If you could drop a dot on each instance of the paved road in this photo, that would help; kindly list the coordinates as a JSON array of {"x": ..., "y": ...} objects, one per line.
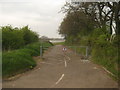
[{"x": 63, "y": 70}]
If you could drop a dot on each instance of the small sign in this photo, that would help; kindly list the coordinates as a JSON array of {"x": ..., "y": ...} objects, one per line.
[{"x": 64, "y": 49}]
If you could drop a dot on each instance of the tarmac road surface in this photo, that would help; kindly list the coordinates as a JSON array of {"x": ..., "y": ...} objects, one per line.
[{"x": 63, "y": 70}]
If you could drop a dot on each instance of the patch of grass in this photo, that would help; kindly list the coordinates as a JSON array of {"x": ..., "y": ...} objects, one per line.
[
  {"x": 59, "y": 43},
  {"x": 107, "y": 57},
  {"x": 17, "y": 61},
  {"x": 79, "y": 50},
  {"x": 47, "y": 44}
]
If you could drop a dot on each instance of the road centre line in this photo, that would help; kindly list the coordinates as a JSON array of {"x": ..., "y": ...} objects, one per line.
[
  {"x": 67, "y": 57},
  {"x": 65, "y": 60},
  {"x": 65, "y": 63},
  {"x": 60, "y": 79}
]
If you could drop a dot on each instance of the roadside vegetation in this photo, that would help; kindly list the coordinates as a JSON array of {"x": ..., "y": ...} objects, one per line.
[
  {"x": 19, "y": 47},
  {"x": 15, "y": 38},
  {"x": 59, "y": 43},
  {"x": 89, "y": 24}
]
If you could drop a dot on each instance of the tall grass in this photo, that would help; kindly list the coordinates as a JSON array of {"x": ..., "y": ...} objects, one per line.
[
  {"x": 108, "y": 57},
  {"x": 17, "y": 61},
  {"x": 59, "y": 43}
]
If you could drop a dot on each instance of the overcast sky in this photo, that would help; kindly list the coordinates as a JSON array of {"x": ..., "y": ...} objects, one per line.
[{"x": 41, "y": 15}]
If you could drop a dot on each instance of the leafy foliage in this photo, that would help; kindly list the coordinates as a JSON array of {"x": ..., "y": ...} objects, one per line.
[
  {"x": 15, "y": 38},
  {"x": 90, "y": 25},
  {"x": 20, "y": 60}
]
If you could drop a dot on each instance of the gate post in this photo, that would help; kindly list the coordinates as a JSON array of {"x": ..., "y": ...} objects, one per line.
[
  {"x": 40, "y": 51},
  {"x": 87, "y": 52},
  {"x": 75, "y": 50}
]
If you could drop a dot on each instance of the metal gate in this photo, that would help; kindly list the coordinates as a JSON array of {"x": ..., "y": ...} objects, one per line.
[
  {"x": 42, "y": 49},
  {"x": 80, "y": 50}
]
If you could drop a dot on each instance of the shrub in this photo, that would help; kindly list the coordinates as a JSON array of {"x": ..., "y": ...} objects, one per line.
[
  {"x": 15, "y": 38},
  {"x": 106, "y": 56},
  {"x": 17, "y": 61}
]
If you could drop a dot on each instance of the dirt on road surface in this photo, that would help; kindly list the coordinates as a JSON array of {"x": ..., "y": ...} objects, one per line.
[{"x": 63, "y": 70}]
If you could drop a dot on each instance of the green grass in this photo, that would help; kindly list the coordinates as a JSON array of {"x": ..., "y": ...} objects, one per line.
[
  {"x": 107, "y": 57},
  {"x": 79, "y": 50},
  {"x": 59, "y": 43},
  {"x": 17, "y": 61}
]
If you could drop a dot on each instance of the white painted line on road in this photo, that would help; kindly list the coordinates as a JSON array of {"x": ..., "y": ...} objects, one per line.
[
  {"x": 95, "y": 68},
  {"x": 60, "y": 79},
  {"x": 13, "y": 85},
  {"x": 65, "y": 63},
  {"x": 68, "y": 58},
  {"x": 108, "y": 71}
]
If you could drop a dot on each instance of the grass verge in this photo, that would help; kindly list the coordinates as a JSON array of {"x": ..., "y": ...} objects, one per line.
[
  {"x": 59, "y": 43},
  {"x": 17, "y": 61},
  {"x": 108, "y": 58}
]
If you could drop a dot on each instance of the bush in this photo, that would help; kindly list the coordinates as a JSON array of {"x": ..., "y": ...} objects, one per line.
[
  {"x": 17, "y": 61},
  {"x": 106, "y": 56},
  {"x": 33, "y": 49},
  {"x": 15, "y": 38},
  {"x": 11, "y": 38},
  {"x": 29, "y": 36}
]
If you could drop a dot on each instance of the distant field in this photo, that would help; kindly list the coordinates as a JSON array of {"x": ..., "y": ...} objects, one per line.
[{"x": 59, "y": 43}]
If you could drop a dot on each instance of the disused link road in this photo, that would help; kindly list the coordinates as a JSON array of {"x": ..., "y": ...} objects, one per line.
[{"x": 63, "y": 70}]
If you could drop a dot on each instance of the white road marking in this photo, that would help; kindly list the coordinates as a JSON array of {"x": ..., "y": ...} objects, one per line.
[
  {"x": 95, "y": 68},
  {"x": 65, "y": 63},
  {"x": 13, "y": 85},
  {"x": 68, "y": 58},
  {"x": 108, "y": 71},
  {"x": 60, "y": 79}
]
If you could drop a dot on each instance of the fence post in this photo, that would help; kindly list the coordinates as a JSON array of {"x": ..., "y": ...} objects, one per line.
[
  {"x": 75, "y": 50},
  {"x": 87, "y": 52},
  {"x": 40, "y": 51}
]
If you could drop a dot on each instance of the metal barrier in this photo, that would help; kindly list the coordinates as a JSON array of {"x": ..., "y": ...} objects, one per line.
[
  {"x": 76, "y": 47},
  {"x": 42, "y": 49}
]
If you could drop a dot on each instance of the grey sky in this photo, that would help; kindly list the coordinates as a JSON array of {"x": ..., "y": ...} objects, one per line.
[{"x": 41, "y": 15}]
